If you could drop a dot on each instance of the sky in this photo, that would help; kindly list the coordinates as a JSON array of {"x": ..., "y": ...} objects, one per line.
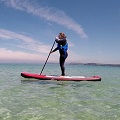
[{"x": 28, "y": 29}]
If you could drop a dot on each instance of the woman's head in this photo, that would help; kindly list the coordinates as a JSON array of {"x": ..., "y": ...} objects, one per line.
[{"x": 61, "y": 35}]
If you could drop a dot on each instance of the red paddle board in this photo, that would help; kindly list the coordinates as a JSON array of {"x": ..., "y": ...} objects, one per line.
[{"x": 60, "y": 78}]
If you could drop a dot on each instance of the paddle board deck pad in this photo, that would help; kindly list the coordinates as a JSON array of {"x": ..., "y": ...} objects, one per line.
[{"x": 60, "y": 78}]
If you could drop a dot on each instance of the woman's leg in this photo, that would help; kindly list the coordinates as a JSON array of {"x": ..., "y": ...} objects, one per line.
[{"x": 62, "y": 61}]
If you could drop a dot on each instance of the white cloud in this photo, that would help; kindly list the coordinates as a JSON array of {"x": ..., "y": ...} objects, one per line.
[
  {"x": 19, "y": 56},
  {"x": 47, "y": 13},
  {"x": 26, "y": 42},
  {"x": 39, "y": 54},
  {"x": 6, "y": 34}
]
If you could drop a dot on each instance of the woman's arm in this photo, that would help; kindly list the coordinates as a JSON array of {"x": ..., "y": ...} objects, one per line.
[{"x": 60, "y": 41}]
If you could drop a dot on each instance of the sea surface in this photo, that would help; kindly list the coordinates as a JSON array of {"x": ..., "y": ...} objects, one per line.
[{"x": 25, "y": 99}]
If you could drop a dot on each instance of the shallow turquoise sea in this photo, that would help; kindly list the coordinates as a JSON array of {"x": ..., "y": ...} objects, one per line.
[{"x": 22, "y": 99}]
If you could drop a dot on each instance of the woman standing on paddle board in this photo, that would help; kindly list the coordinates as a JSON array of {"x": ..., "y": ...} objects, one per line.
[{"x": 62, "y": 46}]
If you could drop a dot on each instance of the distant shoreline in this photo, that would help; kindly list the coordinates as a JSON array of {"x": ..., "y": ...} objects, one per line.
[
  {"x": 90, "y": 64},
  {"x": 96, "y": 64}
]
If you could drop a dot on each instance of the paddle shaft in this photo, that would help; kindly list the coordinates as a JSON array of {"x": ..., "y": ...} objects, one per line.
[{"x": 47, "y": 58}]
